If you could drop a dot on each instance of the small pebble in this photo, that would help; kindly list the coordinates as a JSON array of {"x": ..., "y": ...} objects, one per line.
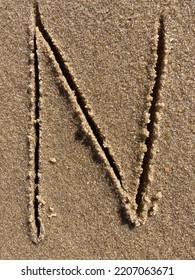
[
  {"x": 167, "y": 170},
  {"x": 52, "y": 160}
]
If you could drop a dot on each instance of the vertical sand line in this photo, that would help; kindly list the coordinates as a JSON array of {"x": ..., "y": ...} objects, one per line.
[
  {"x": 152, "y": 126},
  {"x": 37, "y": 140},
  {"x": 35, "y": 203}
]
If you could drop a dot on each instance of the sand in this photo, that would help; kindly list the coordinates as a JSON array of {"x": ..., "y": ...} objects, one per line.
[{"x": 97, "y": 130}]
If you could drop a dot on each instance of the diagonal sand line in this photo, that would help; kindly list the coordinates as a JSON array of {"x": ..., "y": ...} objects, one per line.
[
  {"x": 81, "y": 100},
  {"x": 85, "y": 115}
]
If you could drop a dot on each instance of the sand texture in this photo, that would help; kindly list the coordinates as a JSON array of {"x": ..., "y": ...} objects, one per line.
[{"x": 97, "y": 117}]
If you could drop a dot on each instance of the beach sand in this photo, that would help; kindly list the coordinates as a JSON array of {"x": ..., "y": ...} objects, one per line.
[{"x": 97, "y": 130}]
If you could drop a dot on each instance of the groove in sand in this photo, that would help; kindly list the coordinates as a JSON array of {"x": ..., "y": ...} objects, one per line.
[
  {"x": 132, "y": 206},
  {"x": 159, "y": 69},
  {"x": 79, "y": 96}
]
